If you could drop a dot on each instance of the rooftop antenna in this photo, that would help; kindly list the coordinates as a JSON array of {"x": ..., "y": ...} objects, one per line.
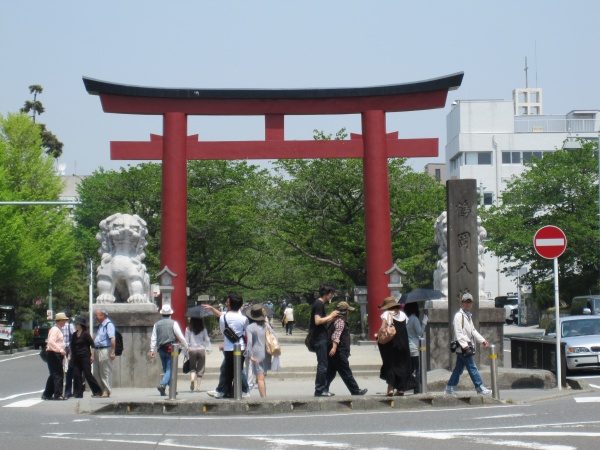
[
  {"x": 536, "y": 83},
  {"x": 526, "y": 81}
]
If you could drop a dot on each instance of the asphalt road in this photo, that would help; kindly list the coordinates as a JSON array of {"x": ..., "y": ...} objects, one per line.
[{"x": 26, "y": 422}]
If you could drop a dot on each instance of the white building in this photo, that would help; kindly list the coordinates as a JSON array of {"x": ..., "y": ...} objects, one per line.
[{"x": 489, "y": 140}]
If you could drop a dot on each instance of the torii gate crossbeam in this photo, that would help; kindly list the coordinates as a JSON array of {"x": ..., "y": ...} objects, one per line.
[{"x": 375, "y": 146}]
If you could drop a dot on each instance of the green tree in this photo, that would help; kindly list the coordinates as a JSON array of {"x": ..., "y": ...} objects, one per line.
[
  {"x": 37, "y": 245},
  {"x": 560, "y": 189},
  {"x": 50, "y": 142},
  {"x": 320, "y": 215}
]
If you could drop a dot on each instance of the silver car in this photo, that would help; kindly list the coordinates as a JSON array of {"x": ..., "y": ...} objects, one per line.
[{"x": 581, "y": 335}]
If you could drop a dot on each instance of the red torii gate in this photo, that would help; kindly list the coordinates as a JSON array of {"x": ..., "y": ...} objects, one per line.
[{"x": 175, "y": 147}]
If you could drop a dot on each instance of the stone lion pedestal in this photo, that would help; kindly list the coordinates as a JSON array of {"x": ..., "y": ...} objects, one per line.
[{"x": 134, "y": 368}]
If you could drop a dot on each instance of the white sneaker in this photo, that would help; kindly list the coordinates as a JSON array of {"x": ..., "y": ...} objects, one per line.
[
  {"x": 245, "y": 394},
  {"x": 449, "y": 390},
  {"x": 215, "y": 394},
  {"x": 483, "y": 390}
]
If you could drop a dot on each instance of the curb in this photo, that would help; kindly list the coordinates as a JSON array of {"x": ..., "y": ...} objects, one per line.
[{"x": 266, "y": 406}]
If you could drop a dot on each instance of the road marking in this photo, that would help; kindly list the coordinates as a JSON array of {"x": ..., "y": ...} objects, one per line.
[
  {"x": 24, "y": 403},
  {"x": 505, "y": 416},
  {"x": 595, "y": 386},
  {"x": 18, "y": 357},
  {"x": 10, "y": 397},
  {"x": 126, "y": 441},
  {"x": 587, "y": 400}
]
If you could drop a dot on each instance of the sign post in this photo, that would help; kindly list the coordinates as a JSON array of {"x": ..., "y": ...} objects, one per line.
[{"x": 550, "y": 242}]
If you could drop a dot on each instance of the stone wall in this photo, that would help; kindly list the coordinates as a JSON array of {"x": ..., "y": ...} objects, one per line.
[
  {"x": 491, "y": 327},
  {"x": 134, "y": 368}
]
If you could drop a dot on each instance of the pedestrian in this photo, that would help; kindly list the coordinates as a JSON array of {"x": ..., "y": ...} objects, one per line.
[
  {"x": 199, "y": 346},
  {"x": 282, "y": 312},
  {"x": 82, "y": 357},
  {"x": 237, "y": 323},
  {"x": 289, "y": 318},
  {"x": 270, "y": 312},
  {"x": 67, "y": 330},
  {"x": 55, "y": 349},
  {"x": 165, "y": 334},
  {"x": 466, "y": 335},
  {"x": 257, "y": 346},
  {"x": 318, "y": 336},
  {"x": 105, "y": 342},
  {"x": 339, "y": 351},
  {"x": 396, "y": 369},
  {"x": 415, "y": 328}
]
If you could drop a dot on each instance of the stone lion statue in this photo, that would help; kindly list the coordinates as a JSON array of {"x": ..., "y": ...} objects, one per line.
[{"x": 122, "y": 276}]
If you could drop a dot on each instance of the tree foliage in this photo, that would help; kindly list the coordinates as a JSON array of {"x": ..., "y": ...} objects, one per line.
[
  {"x": 36, "y": 245},
  {"x": 320, "y": 215},
  {"x": 560, "y": 189},
  {"x": 50, "y": 142}
]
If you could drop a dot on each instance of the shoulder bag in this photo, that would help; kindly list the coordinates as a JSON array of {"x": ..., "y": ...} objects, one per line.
[
  {"x": 228, "y": 331},
  {"x": 387, "y": 331},
  {"x": 273, "y": 347}
]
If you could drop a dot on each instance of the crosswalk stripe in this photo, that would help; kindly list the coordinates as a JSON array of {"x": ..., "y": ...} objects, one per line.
[
  {"x": 588, "y": 400},
  {"x": 24, "y": 403}
]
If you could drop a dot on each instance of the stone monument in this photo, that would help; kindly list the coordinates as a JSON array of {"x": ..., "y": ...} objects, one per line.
[
  {"x": 459, "y": 234},
  {"x": 124, "y": 292}
]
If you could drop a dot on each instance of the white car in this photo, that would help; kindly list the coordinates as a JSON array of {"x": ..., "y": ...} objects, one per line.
[{"x": 581, "y": 335}]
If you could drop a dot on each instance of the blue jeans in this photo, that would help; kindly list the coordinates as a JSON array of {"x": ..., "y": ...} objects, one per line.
[
  {"x": 165, "y": 359},
  {"x": 461, "y": 363}
]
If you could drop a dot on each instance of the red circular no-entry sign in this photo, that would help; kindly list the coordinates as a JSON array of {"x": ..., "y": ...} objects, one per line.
[{"x": 550, "y": 242}]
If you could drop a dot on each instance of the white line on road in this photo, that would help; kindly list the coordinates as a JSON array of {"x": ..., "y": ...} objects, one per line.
[
  {"x": 595, "y": 386},
  {"x": 24, "y": 403},
  {"x": 587, "y": 400},
  {"x": 18, "y": 357},
  {"x": 10, "y": 397}
]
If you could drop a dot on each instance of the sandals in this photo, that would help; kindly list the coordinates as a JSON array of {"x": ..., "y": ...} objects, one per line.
[
  {"x": 390, "y": 394},
  {"x": 399, "y": 393}
]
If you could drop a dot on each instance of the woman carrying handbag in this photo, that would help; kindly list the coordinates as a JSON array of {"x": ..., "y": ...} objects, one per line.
[{"x": 392, "y": 340}]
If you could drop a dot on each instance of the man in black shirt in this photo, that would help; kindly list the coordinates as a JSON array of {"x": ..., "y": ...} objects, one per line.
[{"x": 318, "y": 329}]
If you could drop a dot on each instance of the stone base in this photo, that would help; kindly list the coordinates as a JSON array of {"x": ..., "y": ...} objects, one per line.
[
  {"x": 438, "y": 337},
  {"x": 134, "y": 368}
]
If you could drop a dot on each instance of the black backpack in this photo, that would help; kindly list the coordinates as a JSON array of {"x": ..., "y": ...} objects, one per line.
[{"x": 118, "y": 341}]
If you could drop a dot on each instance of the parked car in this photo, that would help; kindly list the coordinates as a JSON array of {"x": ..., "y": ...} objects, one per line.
[
  {"x": 585, "y": 304},
  {"x": 510, "y": 303},
  {"x": 581, "y": 335},
  {"x": 7, "y": 324},
  {"x": 40, "y": 334}
]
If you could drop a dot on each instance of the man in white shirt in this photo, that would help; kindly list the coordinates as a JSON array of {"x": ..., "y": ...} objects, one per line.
[
  {"x": 165, "y": 333},
  {"x": 237, "y": 322}
]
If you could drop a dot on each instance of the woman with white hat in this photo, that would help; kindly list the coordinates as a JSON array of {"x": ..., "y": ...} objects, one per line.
[{"x": 55, "y": 349}]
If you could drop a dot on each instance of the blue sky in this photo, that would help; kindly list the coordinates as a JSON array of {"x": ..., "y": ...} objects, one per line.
[{"x": 287, "y": 44}]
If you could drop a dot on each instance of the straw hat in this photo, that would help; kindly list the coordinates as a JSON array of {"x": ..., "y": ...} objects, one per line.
[
  {"x": 256, "y": 312},
  {"x": 389, "y": 303},
  {"x": 61, "y": 316}
]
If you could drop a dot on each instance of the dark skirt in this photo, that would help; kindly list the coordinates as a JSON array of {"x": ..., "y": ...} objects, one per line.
[{"x": 397, "y": 368}]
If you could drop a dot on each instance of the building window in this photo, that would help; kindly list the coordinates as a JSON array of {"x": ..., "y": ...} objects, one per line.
[
  {"x": 438, "y": 174},
  {"x": 478, "y": 158},
  {"x": 527, "y": 156},
  {"x": 488, "y": 198}
]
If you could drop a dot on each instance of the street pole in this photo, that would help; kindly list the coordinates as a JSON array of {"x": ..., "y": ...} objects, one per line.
[
  {"x": 557, "y": 307},
  {"x": 91, "y": 295}
]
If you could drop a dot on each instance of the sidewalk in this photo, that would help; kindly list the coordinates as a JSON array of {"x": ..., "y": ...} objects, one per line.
[{"x": 291, "y": 390}]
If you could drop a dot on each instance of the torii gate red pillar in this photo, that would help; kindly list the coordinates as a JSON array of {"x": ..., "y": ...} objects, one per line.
[
  {"x": 377, "y": 212},
  {"x": 375, "y": 146},
  {"x": 173, "y": 244}
]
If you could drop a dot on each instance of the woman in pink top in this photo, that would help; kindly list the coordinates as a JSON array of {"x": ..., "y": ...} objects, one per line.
[{"x": 55, "y": 348}]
